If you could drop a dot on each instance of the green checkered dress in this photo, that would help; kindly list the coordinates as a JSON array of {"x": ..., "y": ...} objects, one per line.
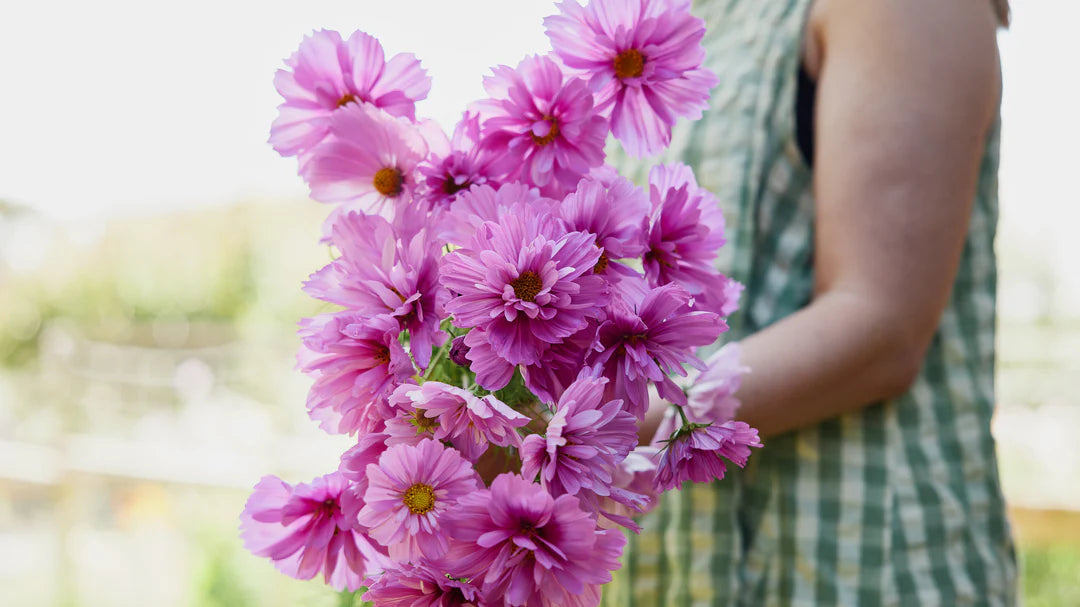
[{"x": 895, "y": 504}]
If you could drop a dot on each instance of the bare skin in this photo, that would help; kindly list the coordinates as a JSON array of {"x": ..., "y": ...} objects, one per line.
[{"x": 906, "y": 94}]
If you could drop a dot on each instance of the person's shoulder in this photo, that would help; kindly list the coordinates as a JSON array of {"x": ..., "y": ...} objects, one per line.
[
  {"x": 947, "y": 48},
  {"x": 964, "y": 29}
]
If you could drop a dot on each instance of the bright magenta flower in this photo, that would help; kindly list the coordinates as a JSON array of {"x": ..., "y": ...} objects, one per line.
[
  {"x": 585, "y": 439},
  {"x": 643, "y": 59},
  {"x": 303, "y": 531},
  {"x": 694, "y": 453},
  {"x": 357, "y": 362},
  {"x": 486, "y": 203},
  {"x": 421, "y": 585},
  {"x": 649, "y": 340},
  {"x": 617, "y": 213},
  {"x": 525, "y": 283},
  {"x": 463, "y": 164},
  {"x": 380, "y": 272},
  {"x": 327, "y": 73},
  {"x": 409, "y": 491},
  {"x": 529, "y": 548},
  {"x": 685, "y": 232},
  {"x": 539, "y": 127},
  {"x": 633, "y": 490}
]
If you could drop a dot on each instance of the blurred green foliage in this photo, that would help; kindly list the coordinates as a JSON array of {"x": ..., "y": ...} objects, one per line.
[{"x": 240, "y": 266}]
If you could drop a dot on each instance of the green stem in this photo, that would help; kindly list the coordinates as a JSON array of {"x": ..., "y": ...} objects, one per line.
[{"x": 682, "y": 414}]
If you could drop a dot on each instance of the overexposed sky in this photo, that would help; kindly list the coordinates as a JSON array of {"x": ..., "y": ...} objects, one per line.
[{"x": 115, "y": 106}]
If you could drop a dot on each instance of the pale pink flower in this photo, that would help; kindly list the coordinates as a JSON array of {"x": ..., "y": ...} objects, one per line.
[
  {"x": 470, "y": 423},
  {"x": 327, "y": 73},
  {"x": 368, "y": 162}
]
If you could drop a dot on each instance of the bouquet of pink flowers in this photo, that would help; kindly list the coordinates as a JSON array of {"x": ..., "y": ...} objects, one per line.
[{"x": 507, "y": 300}]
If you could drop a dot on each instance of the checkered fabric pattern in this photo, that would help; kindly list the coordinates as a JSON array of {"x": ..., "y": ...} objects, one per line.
[{"x": 895, "y": 504}]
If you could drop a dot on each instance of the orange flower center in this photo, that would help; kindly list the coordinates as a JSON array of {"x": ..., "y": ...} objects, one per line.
[
  {"x": 629, "y": 64},
  {"x": 388, "y": 181},
  {"x": 527, "y": 285},
  {"x": 382, "y": 355},
  {"x": 347, "y": 99},
  {"x": 420, "y": 498},
  {"x": 551, "y": 134},
  {"x": 602, "y": 263}
]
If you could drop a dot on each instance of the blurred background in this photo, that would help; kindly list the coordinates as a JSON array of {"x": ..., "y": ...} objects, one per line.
[{"x": 152, "y": 247}]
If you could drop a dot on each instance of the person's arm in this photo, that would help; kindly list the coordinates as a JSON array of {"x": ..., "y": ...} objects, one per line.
[{"x": 906, "y": 94}]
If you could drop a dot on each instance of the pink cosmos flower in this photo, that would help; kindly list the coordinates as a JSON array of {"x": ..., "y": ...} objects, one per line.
[
  {"x": 711, "y": 394},
  {"x": 525, "y": 283},
  {"x": 303, "y": 531},
  {"x": 379, "y": 272},
  {"x": 685, "y": 232},
  {"x": 585, "y": 439},
  {"x": 368, "y": 161},
  {"x": 486, "y": 203},
  {"x": 353, "y": 465},
  {"x": 617, "y": 213},
  {"x": 468, "y": 422},
  {"x": 530, "y": 548},
  {"x": 353, "y": 468},
  {"x": 650, "y": 341},
  {"x": 356, "y": 362},
  {"x": 694, "y": 453},
  {"x": 644, "y": 61},
  {"x": 420, "y": 586},
  {"x": 452, "y": 171},
  {"x": 539, "y": 127},
  {"x": 327, "y": 73},
  {"x": 408, "y": 425},
  {"x": 409, "y": 490},
  {"x": 561, "y": 365},
  {"x": 633, "y": 490}
]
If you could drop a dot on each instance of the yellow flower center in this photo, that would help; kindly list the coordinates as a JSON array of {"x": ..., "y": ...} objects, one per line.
[
  {"x": 527, "y": 285},
  {"x": 388, "y": 181},
  {"x": 629, "y": 64},
  {"x": 420, "y": 498},
  {"x": 382, "y": 355},
  {"x": 551, "y": 135}
]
